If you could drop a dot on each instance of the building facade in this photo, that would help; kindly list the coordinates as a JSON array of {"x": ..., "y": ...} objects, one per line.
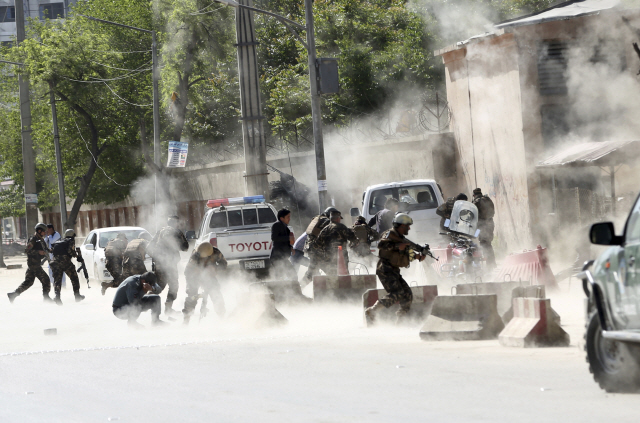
[{"x": 35, "y": 9}]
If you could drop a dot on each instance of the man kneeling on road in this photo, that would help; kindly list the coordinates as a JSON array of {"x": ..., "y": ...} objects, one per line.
[{"x": 133, "y": 297}]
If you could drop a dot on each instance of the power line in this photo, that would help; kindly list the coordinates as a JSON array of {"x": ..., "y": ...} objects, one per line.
[
  {"x": 126, "y": 101},
  {"x": 120, "y": 52},
  {"x": 113, "y": 67},
  {"x": 94, "y": 158}
]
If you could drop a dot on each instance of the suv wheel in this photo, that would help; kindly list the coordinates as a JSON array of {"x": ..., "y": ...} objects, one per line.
[{"x": 611, "y": 362}]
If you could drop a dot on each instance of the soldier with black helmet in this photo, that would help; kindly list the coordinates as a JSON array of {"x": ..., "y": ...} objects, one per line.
[
  {"x": 165, "y": 249},
  {"x": 366, "y": 235},
  {"x": 63, "y": 251},
  {"x": 113, "y": 254},
  {"x": 35, "y": 249},
  {"x": 334, "y": 235},
  {"x": 394, "y": 254}
]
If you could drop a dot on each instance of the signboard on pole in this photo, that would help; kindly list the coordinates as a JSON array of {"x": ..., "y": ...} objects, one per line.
[
  {"x": 177, "y": 154},
  {"x": 31, "y": 198}
]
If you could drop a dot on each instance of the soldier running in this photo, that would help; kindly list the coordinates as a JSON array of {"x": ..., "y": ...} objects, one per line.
[
  {"x": 63, "y": 251},
  {"x": 366, "y": 235},
  {"x": 313, "y": 230},
  {"x": 113, "y": 254},
  {"x": 394, "y": 254},
  {"x": 133, "y": 257},
  {"x": 335, "y": 235},
  {"x": 205, "y": 262},
  {"x": 165, "y": 250},
  {"x": 35, "y": 249}
]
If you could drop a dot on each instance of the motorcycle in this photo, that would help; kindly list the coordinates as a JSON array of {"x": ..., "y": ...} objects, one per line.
[{"x": 466, "y": 255}]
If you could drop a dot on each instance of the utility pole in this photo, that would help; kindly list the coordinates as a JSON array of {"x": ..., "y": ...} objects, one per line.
[
  {"x": 316, "y": 112},
  {"x": 56, "y": 142},
  {"x": 156, "y": 125},
  {"x": 28, "y": 162},
  {"x": 255, "y": 146}
]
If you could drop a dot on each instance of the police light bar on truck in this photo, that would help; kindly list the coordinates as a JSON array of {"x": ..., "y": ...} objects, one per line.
[{"x": 236, "y": 201}]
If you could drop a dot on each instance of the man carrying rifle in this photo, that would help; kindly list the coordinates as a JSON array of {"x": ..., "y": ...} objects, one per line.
[
  {"x": 395, "y": 251},
  {"x": 36, "y": 251},
  {"x": 63, "y": 251}
]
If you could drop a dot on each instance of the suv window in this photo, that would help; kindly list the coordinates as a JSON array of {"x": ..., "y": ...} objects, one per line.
[
  {"x": 416, "y": 197},
  {"x": 632, "y": 231},
  {"x": 235, "y": 217},
  {"x": 266, "y": 215},
  {"x": 250, "y": 216},
  {"x": 91, "y": 239},
  {"x": 218, "y": 220}
]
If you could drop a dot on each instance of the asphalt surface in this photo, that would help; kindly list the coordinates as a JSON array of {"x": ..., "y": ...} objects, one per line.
[{"x": 324, "y": 366}]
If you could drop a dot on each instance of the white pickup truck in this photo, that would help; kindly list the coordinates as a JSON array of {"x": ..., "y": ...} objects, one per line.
[
  {"x": 241, "y": 229},
  {"x": 419, "y": 198}
]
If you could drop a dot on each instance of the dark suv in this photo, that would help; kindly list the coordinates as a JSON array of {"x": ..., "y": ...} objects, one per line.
[{"x": 612, "y": 283}]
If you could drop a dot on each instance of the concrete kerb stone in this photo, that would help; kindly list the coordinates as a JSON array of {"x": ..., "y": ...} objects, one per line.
[
  {"x": 533, "y": 325},
  {"x": 463, "y": 317},
  {"x": 342, "y": 287},
  {"x": 423, "y": 298}
]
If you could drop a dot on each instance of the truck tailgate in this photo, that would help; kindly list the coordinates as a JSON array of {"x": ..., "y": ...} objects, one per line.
[{"x": 244, "y": 244}]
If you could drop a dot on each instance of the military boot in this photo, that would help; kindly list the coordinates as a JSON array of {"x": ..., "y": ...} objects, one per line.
[
  {"x": 47, "y": 298},
  {"x": 105, "y": 285},
  {"x": 57, "y": 300},
  {"x": 12, "y": 296},
  {"x": 170, "y": 311},
  {"x": 401, "y": 314},
  {"x": 78, "y": 297},
  {"x": 370, "y": 313}
]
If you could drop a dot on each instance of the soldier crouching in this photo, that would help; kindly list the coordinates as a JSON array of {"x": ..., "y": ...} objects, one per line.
[
  {"x": 394, "y": 254},
  {"x": 201, "y": 272}
]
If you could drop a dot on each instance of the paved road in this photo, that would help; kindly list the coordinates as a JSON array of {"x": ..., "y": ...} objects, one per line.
[{"x": 325, "y": 366}]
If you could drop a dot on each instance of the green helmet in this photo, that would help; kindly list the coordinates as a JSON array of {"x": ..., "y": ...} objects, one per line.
[
  {"x": 41, "y": 227},
  {"x": 69, "y": 233},
  {"x": 402, "y": 219}
]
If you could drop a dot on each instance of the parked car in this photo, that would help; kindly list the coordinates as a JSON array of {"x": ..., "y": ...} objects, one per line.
[
  {"x": 612, "y": 284},
  {"x": 419, "y": 198},
  {"x": 93, "y": 249},
  {"x": 241, "y": 229}
]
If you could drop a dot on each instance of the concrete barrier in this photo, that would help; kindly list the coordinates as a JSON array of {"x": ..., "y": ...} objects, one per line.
[
  {"x": 530, "y": 265},
  {"x": 463, "y": 317},
  {"x": 342, "y": 287},
  {"x": 286, "y": 291},
  {"x": 423, "y": 298},
  {"x": 503, "y": 290},
  {"x": 533, "y": 325},
  {"x": 531, "y": 291}
]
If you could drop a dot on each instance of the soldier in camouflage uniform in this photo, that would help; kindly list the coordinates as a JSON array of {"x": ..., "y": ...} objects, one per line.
[
  {"x": 62, "y": 264},
  {"x": 113, "y": 254},
  {"x": 201, "y": 270},
  {"x": 486, "y": 211},
  {"x": 133, "y": 257},
  {"x": 444, "y": 210},
  {"x": 335, "y": 235},
  {"x": 36, "y": 250},
  {"x": 366, "y": 235},
  {"x": 313, "y": 230},
  {"x": 165, "y": 249},
  {"x": 394, "y": 254}
]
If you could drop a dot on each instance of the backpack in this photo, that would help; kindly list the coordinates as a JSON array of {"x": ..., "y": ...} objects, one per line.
[
  {"x": 361, "y": 233},
  {"x": 61, "y": 247},
  {"x": 486, "y": 209},
  {"x": 317, "y": 224}
]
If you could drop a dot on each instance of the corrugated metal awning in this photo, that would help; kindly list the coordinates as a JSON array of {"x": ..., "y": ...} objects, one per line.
[{"x": 606, "y": 153}]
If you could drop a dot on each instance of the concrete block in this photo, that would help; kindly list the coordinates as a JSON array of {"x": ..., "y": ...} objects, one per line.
[
  {"x": 533, "y": 325},
  {"x": 342, "y": 287},
  {"x": 423, "y": 298}
]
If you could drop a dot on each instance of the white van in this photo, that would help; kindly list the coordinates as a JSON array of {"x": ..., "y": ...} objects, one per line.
[{"x": 419, "y": 198}]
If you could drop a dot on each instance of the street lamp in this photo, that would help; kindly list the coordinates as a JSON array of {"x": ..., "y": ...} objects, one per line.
[
  {"x": 316, "y": 115},
  {"x": 156, "y": 101}
]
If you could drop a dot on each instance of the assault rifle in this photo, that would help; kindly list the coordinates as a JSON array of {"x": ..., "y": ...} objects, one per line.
[
  {"x": 83, "y": 267},
  {"x": 47, "y": 251},
  {"x": 423, "y": 250}
]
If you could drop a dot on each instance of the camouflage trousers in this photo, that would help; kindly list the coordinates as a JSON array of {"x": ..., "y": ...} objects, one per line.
[
  {"x": 167, "y": 274},
  {"x": 68, "y": 268},
  {"x": 114, "y": 267},
  {"x": 33, "y": 272},
  {"x": 398, "y": 290},
  {"x": 320, "y": 262},
  {"x": 132, "y": 266},
  {"x": 211, "y": 289},
  {"x": 489, "y": 255}
]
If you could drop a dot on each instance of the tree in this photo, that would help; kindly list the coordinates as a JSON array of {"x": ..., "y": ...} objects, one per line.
[{"x": 100, "y": 76}]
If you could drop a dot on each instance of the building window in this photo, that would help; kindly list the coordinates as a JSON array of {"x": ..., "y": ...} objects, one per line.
[
  {"x": 7, "y": 14},
  {"x": 52, "y": 11},
  {"x": 552, "y": 64}
]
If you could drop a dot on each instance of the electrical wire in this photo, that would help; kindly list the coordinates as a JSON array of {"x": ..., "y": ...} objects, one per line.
[
  {"x": 206, "y": 13},
  {"x": 123, "y": 69},
  {"x": 120, "y": 52},
  {"x": 94, "y": 158},
  {"x": 126, "y": 101}
]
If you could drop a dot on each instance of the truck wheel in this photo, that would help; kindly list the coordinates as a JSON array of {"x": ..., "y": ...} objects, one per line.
[{"x": 611, "y": 362}]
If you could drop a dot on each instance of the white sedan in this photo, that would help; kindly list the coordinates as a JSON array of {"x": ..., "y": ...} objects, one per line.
[{"x": 93, "y": 249}]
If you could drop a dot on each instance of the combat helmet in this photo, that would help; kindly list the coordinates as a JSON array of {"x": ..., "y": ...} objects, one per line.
[
  {"x": 41, "y": 227},
  {"x": 69, "y": 233},
  {"x": 402, "y": 219},
  {"x": 205, "y": 249}
]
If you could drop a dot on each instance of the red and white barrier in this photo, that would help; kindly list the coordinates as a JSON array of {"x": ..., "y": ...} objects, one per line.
[
  {"x": 530, "y": 265},
  {"x": 444, "y": 256},
  {"x": 533, "y": 325},
  {"x": 342, "y": 287}
]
